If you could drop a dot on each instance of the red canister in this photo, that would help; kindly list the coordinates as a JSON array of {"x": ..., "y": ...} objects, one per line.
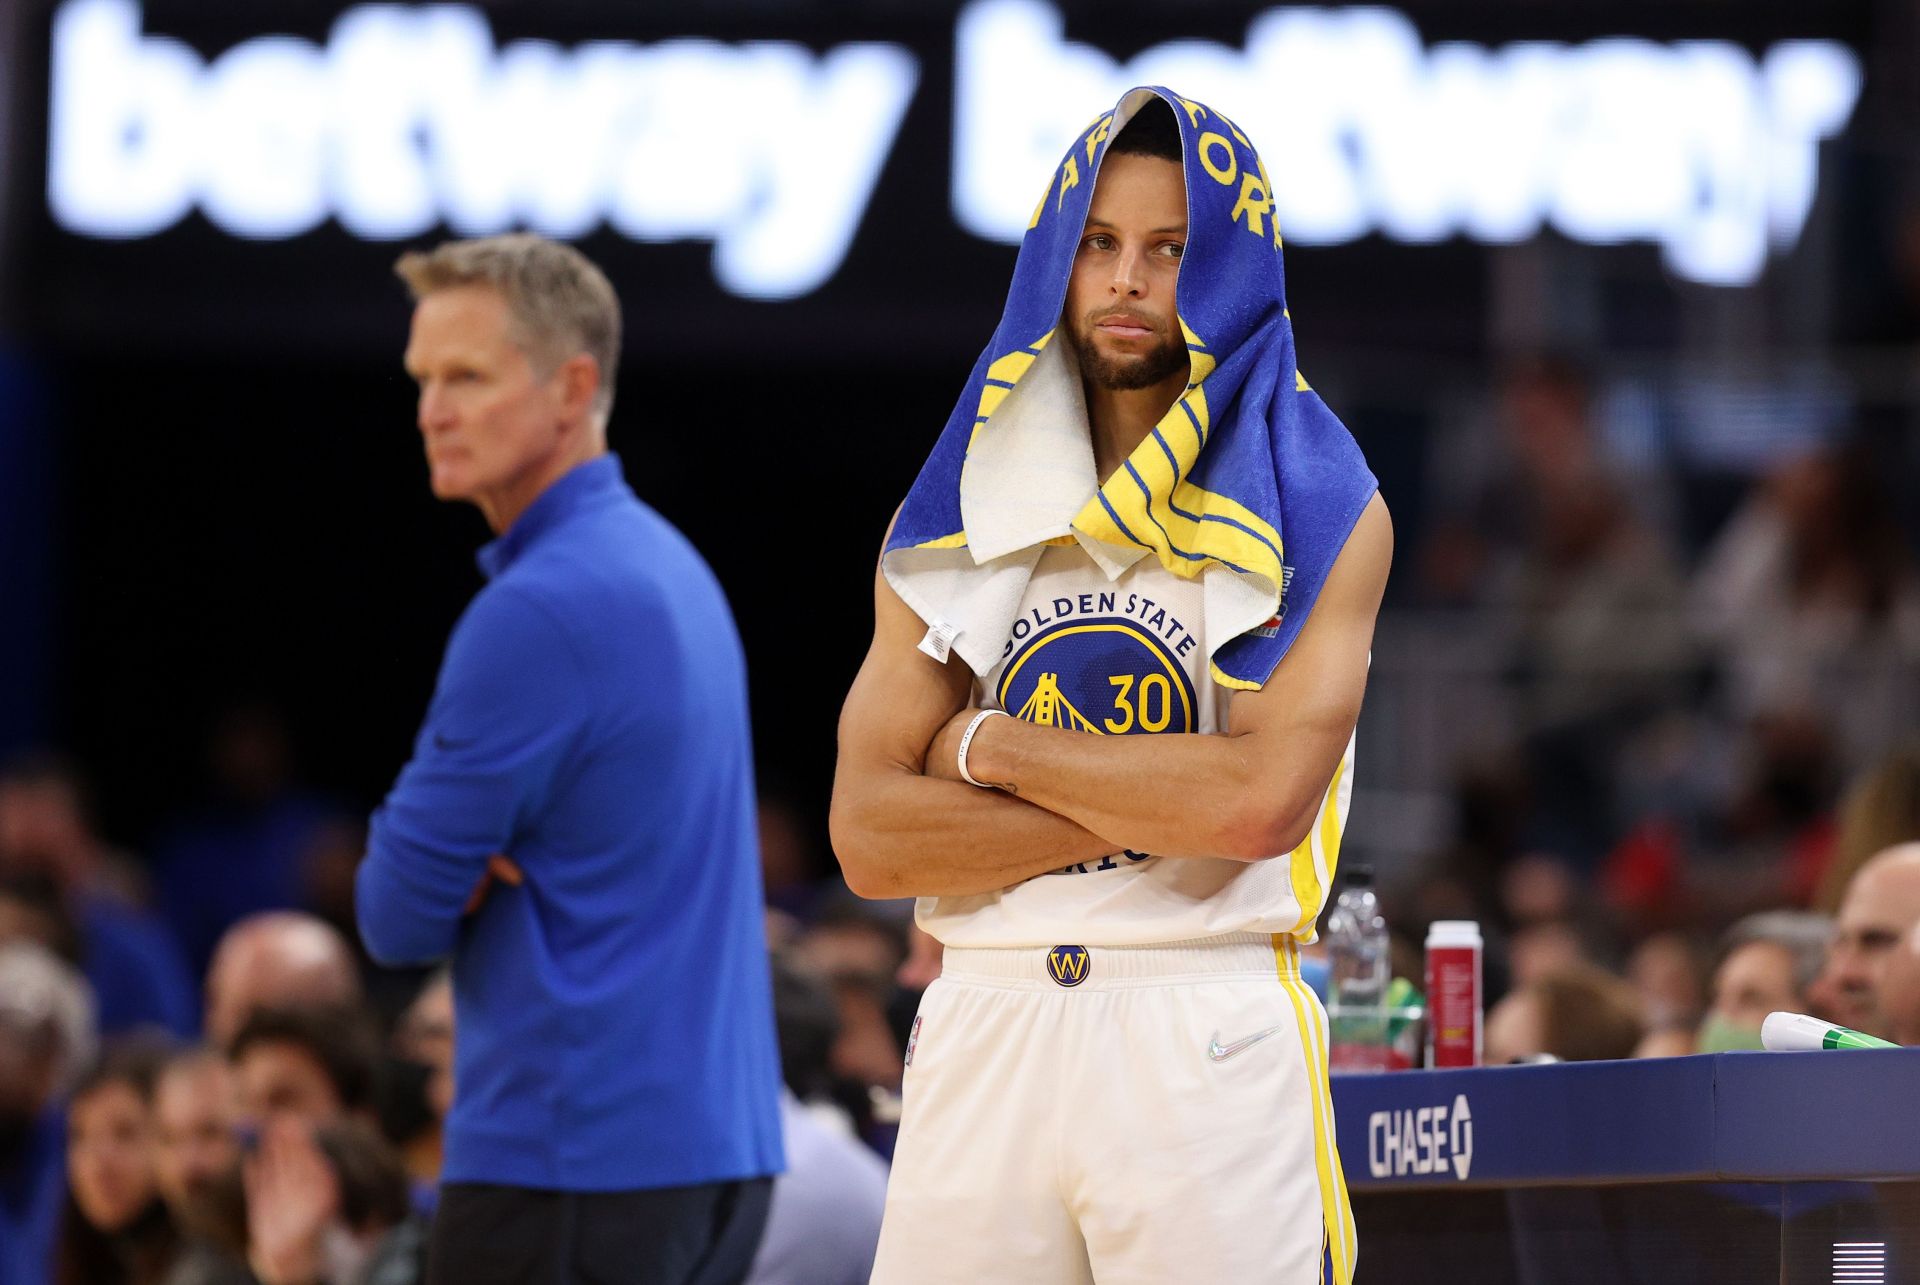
[{"x": 1455, "y": 1003}]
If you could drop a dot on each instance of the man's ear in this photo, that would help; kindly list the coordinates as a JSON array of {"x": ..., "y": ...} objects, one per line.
[{"x": 579, "y": 377}]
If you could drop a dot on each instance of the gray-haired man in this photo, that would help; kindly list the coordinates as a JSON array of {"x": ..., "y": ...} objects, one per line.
[{"x": 576, "y": 827}]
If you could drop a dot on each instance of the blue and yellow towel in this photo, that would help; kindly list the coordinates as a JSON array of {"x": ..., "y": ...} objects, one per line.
[{"x": 1249, "y": 481}]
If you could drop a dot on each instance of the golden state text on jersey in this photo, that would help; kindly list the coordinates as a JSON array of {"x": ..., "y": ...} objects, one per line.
[{"x": 1108, "y": 663}]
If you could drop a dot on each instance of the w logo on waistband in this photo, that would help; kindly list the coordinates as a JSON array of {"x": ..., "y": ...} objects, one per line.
[{"x": 1069, "y": 964}]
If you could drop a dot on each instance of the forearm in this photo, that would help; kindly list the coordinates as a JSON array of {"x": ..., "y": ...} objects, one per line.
[
  {"x": 906, "y": 835},
  {"x": 1174, "y": 795},
  {"x": 408, "y": 900}
]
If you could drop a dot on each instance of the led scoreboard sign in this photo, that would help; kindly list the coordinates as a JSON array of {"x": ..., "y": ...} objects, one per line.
[
  {"x": 398, "y": 120},
  {"x": 410, "y": 118},
  {"x": 1694, "y": 145}
]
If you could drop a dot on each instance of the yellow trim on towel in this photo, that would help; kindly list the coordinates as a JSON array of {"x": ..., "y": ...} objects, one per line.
[
  {"x": 1153, "y": 502},
  {"x": 1336, "y": 1211},
  {"x": 958, "y": 540},
  {"x": 991, "y": 395},
  {"x": 1008, "y": 370},
  {"x": 1225, "y": 679},
  {"x": 1010, "y": 367},
  {"x": 1172, "y": 513}
]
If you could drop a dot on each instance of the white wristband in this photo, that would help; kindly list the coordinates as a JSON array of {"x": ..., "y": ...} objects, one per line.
[{"x": 966, "y": 739}]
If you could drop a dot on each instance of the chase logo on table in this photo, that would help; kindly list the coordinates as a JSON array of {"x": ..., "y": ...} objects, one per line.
[{"x": 1421, "y": 1141}]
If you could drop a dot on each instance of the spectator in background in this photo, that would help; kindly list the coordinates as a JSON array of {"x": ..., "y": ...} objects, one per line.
[
  {"x": 1554, "y": 921},
  {"x": 1538, "y": 951},
  {"x": 197, "y": 1164},
  {"x": 921, "y": 968},
  {"x": 324, "y": 1197},
  {"x": 824, "y": 1223},
  {"x": 1768, "y": 963},
  {"x": 46, "y": 1039},
  {"x": 1880, "y": 810},
  {"x": 130, "y": 956},
  {"x": 857, "y": 954},
  {"x": 261, "y": 841},
  {"x": 32, "y": 909},
  {"x": 1578, "y": 1014},
  {"x": 1473, "y": 876},
  {"x": 278, "y": 960},
  {"x": 1881, "y": 908},
  {"x": 319, "y": 1065},
  {"x": 116, "y": 1230},
  {"x": 1599, "y": 591},
  {"x": 789, "y": 865},
  {"x": 1745, "y": 828},
  {"x": 1668, "y": 1041},
  {"x": 850, "y": 940},
  {"x": 1594, "y": 595},
  {"x": 1902, "y": 991},
  {"x": 424, "y": 1039},
  {"x": 1810, "y": 604},
  {"x": 47, "y": 826},
  {"x": 1668, "y": 974},
  {"x": 328, "y": 1204}
]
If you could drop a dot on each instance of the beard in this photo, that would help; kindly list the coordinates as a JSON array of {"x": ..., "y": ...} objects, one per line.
[{"x": 1130, "y": 371}]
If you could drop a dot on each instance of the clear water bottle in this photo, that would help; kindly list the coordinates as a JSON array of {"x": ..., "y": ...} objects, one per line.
[{"x": 1360, "y": 967}]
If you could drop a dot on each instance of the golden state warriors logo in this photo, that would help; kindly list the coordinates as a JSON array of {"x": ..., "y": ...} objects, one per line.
[
  {"x": 1069, "y": 964},
  {"x": 1108, "y": 676}
]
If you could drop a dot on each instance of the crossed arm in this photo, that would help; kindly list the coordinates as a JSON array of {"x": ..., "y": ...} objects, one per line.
[{"x": 903, "y": 824}]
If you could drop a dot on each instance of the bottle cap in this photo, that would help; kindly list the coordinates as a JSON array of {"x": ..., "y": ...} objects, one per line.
[{"x": 1453, "y": 932}]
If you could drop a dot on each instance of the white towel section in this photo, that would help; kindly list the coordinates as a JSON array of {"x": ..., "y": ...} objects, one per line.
[
  {"x": 1028, "y": 475},
  {"x": 970, "y": 606}
]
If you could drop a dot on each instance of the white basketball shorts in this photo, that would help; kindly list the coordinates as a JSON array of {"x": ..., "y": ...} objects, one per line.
[{"x": 1128, "y": 1115}]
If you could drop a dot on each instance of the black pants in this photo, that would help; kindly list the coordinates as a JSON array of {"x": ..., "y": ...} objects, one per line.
[{"x": 490, "y": 1235}]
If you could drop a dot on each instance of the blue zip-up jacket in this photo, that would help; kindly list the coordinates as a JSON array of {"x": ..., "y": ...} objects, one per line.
[{"x": 613, "y": 1015}]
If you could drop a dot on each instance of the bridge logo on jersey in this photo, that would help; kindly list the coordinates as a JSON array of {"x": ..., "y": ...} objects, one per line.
[
  {"x": 1105, "y": 676},
  {"x": 1069, "y": 964}
]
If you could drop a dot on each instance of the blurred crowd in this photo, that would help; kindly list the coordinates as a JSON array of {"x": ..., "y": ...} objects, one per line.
[
  {"x": 205, "y": 1081},
  {"x": 1683, "y": 788},
  {"x": 1680, "y": 799}
]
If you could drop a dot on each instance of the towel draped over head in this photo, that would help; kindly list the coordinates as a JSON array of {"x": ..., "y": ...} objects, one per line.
[{"x": 1249, "y": 483}]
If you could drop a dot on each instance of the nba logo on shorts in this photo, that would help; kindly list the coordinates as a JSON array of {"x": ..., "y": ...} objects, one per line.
[
  {"x": 913, "y": 1039},
  {"x": 1069, "y": 964}
]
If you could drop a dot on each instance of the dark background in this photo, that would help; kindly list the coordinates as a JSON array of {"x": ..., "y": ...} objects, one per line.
[{"x": 217, "y": 440}]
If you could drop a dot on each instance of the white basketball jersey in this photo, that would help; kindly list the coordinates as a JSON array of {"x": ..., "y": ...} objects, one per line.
[{"x": 1129, "y": 657}]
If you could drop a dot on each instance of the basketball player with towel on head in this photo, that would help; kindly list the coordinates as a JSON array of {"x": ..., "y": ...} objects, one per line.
[{"x": 1144, "y": 537}]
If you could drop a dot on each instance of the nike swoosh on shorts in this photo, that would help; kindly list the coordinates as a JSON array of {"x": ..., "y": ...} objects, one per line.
[{"x": 1221, "y": 1052}]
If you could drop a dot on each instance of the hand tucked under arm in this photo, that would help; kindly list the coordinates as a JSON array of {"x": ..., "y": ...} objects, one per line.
[
  {"x": 902, "y": 822},
  {"x": 506, "y": 714}
]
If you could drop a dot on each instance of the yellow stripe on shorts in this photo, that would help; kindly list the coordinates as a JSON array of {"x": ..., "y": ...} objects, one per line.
[{"x": 1335, "y": 1210}]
